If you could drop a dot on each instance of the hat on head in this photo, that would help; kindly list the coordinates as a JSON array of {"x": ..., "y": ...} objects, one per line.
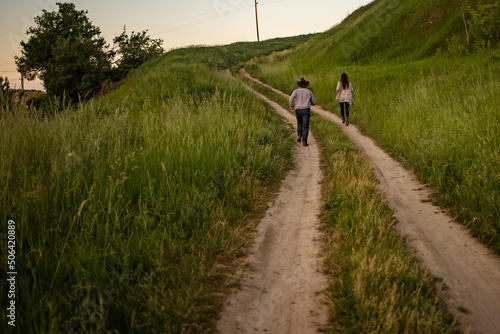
[{"x": 303, "y": 83}]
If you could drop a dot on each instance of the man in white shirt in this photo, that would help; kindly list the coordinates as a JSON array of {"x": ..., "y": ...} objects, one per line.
[{"x": 300, "y": 103}]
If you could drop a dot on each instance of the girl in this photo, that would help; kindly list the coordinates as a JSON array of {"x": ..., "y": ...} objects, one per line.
[{"x": 344, "y": 97}]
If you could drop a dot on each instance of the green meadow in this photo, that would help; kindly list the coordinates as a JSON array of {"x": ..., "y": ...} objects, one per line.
[
  {"x": 130, "y": 210},
  {"x": 437, "y": 113},
  {"x": 376, "y": 284}
]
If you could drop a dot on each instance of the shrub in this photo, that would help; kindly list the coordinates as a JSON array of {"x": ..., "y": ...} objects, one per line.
[
  {"x": 457, "y": 44},
  {"x": 485, "y": 23},
  {"x": 38, "y": 100},
  {"x": 6, "y": 94}
]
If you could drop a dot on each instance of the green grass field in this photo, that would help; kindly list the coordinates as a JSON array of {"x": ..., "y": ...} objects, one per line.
[
  {"x": 131, "y": 209},
  {"x": 437, "y": 113},
  {"x": 376, "y": 284}
]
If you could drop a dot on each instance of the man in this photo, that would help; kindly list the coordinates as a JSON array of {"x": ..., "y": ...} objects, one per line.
[{"x": 300, "y": 103}]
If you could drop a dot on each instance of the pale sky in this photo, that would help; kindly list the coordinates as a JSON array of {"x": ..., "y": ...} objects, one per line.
[{"x": 177, "y": 23}]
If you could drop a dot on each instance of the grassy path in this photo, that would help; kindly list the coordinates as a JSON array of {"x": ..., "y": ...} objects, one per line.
[
  {"x": 283, "y": 291},
  {"x": 469, "y": 270}
]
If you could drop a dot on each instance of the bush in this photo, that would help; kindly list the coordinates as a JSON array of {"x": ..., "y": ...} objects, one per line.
[
  {"x": 38, "y": 100},
  {"x": 481, "y": 20},
  {"x": 485, "y": 23},
  {"x": 6, "y": 94},
  {"x": 457, "y": 44}
]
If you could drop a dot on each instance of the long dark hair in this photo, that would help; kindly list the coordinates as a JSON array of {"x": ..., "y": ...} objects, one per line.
[{"x": 344, "y": 80}]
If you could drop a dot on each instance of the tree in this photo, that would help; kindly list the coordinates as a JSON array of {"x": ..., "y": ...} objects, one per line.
[
  {"x": 485, "y": 25},
  {"x": 66, "y": 52},
  {"x": 135, "y": 50}
]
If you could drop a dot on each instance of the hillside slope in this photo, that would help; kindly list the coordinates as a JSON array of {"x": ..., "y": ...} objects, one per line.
[
  {"x": 435, "y": 111},
  {"x": 386, "y": 30},
  {"x": 123, "y": 205}
]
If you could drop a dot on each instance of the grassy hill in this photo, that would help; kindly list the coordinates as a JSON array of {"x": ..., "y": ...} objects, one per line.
[
  {"x": 123, "y": 206},
  {"x": 437, "y": 112},
  {"x": 391, "y": 31},
  {"x": 131, "y": 210}
]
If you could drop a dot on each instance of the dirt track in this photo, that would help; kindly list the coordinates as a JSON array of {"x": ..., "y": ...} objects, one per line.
[{"x": 280, "y": 293}]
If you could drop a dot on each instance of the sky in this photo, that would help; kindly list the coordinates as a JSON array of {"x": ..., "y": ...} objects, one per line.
[{"x": 179, "y": 23}]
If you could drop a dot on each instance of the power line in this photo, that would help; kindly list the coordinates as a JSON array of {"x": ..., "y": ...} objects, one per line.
[
  {"x": 184, "y": 19},
  {"x": 206, "y": 19},
  {"x": 210, "y": 18}
]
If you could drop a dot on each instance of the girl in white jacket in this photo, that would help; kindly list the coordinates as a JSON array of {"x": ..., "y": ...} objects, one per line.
[{"x": 344, "y": 97}]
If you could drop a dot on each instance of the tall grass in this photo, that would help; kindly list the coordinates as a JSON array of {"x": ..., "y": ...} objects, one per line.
[
  {"x": 377, "y": 286},
  {"x": 125, "y": 206},
  {"x": 436, "y": 113},
  {"x": 439, "y": 116},
  {"x": 444, "y": 124}
]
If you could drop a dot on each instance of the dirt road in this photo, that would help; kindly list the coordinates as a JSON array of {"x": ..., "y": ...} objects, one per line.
[
  {"x": 469, "y": 270},
  {"x": 282, "y": 290}
]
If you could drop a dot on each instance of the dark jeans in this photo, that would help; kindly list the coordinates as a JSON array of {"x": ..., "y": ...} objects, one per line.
[
  {"x": 303, "y": 116},
  {"x": 344, "y": 105}
]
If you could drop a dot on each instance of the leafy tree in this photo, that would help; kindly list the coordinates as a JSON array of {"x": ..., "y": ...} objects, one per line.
[
  {"x": 135, "y": 50},
  {"x": 485, "y": 23},
  {"x": 66, "y": 52}
]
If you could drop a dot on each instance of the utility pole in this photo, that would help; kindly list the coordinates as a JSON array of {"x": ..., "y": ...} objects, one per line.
[{"x": 257, "y": 21}]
